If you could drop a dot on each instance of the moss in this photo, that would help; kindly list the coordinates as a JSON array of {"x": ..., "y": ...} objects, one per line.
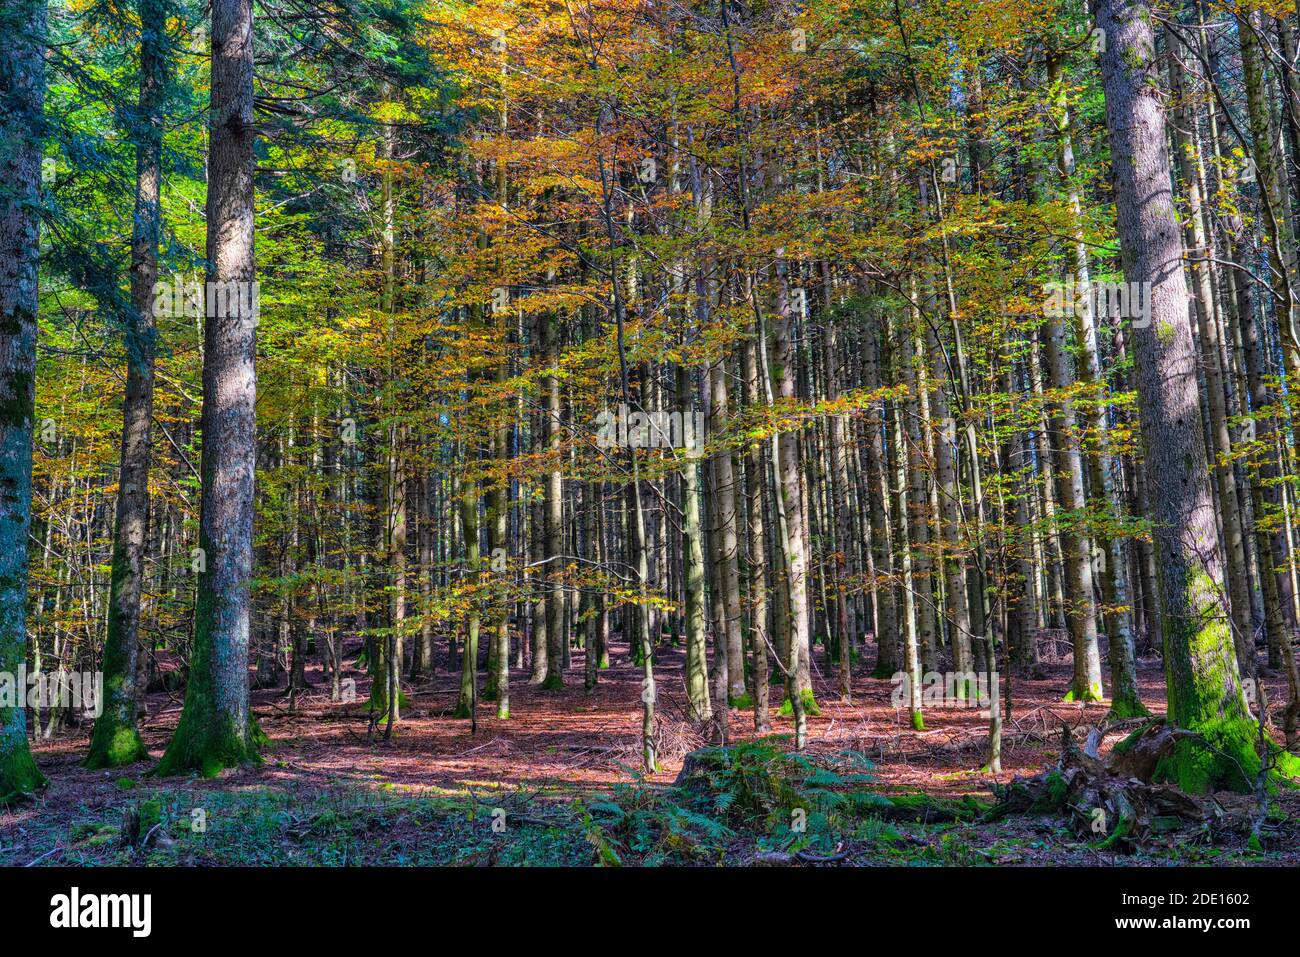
[
  {"x": 19, "y": 410},
  {"x": 744, "y": 701},
  {"x": 810, "y": 706},
  {"x": 1122, "y": 831},
  {"x": 379, "y": 700},
  {"x": 208, "y": 747},
  {"x": 918, "y": 721},
  {"x": 1201, "y": 672},
  {"x": 117, "y": 745},
  {"x": 926, "y": 806},
  {"x": 1091, "y": 693},
  {"x": 19, "y": 775},
  {"x": 1054, "y": 799},
  {"x": 101, "y": 837},
  {"x": 150, "y": 815},
  {"x": 1223, "y": 756},
  {"x": 1128, "y": 742},
  {"x": 1122, "y": 709},
  {"x": 1286, "y": 770}
]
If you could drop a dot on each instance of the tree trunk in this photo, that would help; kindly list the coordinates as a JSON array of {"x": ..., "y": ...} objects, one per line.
[
  {"x": 1203, "y": 683},
  {"x": 215, "y": 729},
  {"x": 116, "y": 739},
  {"x": 697, "y": 676},
  {"x": 22, "y": 103}
]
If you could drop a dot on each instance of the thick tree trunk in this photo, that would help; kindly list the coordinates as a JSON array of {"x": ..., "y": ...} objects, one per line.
[
  {"x": 1231, "y": 506},
  {"x": 215, "y": 729},
  {"x": 1203, "y": 683},
  {"x": 22, "y": 104}
]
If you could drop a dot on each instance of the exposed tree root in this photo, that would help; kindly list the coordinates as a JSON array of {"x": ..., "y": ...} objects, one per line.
[{"x": 1116, "y": 804}]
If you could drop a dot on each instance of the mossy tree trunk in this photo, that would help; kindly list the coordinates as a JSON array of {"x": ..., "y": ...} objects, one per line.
[
  {"x": 1232, "y": 500},
  {"x": 1203, "y": 683},
  {"x": 22, "y": 104}
]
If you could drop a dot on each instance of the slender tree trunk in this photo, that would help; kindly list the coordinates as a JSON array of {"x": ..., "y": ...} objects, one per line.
[
  {"x": 116, "y": 740},
  {"x": 790, "y": 510},
  {"x": 697, "y": 676},
  {"x": 911, "y": 670},
  {"x": 882, "y": 550},
  {"x": 553, "y": 515},
  {"x": 1081, "y": 615},
  {"x": 755, "y": 551},
  {"x": 725, "y": 494},
  {"x": 467, "y": 701}
]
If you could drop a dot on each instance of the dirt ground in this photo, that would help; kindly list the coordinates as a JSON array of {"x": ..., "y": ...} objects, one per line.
[{"x": 574, "y": 742}]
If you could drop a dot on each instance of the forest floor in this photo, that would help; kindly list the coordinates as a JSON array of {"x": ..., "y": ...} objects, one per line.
[{"x": 555, "y": 784}]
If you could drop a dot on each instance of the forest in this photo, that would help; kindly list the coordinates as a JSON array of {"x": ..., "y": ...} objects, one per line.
[{"x": 759, "y": 432}]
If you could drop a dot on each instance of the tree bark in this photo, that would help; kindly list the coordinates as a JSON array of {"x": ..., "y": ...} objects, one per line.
[
  {"x": 116, "y": 739},
  {"x": 22, "y": 105},
  {"x": 1202, "y": 679},
  {"x": 215, "y": 729}
]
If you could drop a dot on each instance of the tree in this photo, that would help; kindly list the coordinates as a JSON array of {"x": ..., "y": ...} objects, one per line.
[
  {"x": 116, "y": 739},
  {"x": 1203, "y": 684},
  {"x": 215, "y": 728},
  {"x": 22, "y": 106}
]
